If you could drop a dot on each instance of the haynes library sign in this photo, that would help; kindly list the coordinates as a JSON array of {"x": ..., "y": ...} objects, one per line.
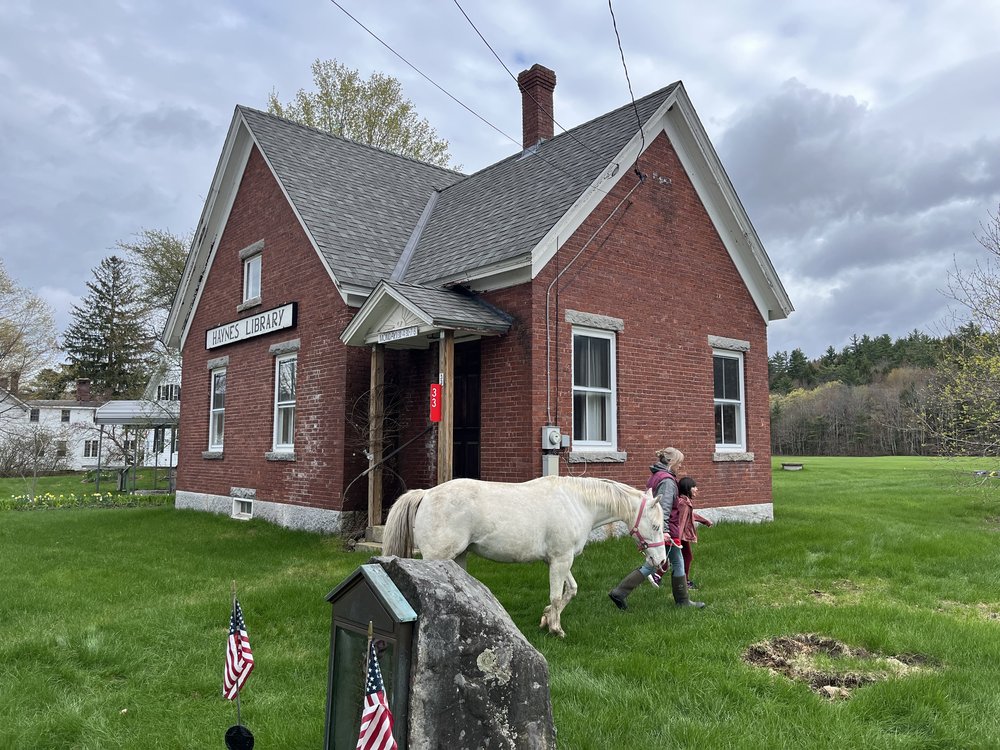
[{"x": 256, "y": 325}]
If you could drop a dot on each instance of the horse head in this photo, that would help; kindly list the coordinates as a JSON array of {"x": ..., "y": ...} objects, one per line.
[{"x": 648, "y": 530}]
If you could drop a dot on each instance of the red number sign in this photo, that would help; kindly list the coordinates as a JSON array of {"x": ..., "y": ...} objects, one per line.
[{"x": 435, "y": 402}]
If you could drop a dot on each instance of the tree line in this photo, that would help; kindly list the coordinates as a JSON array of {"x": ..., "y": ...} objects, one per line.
[{"x": 917, "y": 395}]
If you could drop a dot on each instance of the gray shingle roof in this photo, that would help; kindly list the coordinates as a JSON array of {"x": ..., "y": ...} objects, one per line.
[
  {"x": 452, "y": 307},
  {"x": 359, "y": 203},
  {"x": 504, "y": 210}
]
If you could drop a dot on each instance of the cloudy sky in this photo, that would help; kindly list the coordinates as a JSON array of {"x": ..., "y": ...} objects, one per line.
[{"x": 861, "y": 135}]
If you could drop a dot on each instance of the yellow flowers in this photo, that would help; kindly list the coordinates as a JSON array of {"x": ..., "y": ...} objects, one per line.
[{"x": 49, "y": 500}]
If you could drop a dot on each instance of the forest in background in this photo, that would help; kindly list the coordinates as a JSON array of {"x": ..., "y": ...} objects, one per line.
[{"x": 876, "y": 396}]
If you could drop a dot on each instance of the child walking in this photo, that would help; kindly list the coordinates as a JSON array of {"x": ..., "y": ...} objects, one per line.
[{"x": 687, "y": 493}]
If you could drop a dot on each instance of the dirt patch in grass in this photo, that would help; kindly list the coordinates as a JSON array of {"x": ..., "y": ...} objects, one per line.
[{"x": 829, "y": 667}]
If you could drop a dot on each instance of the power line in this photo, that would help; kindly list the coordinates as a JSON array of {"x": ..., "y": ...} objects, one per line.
[
  {"x": 511, "y": 74},
  {"x": 454, "y": 98},
  {"x": 421, "y": 73},
  {"x": 642, "y": 148}
]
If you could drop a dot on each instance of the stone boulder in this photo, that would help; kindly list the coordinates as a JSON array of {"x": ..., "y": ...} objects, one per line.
[{"x": 475, "y": 681}]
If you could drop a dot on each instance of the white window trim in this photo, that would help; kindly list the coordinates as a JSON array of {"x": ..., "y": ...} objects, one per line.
[
  {"x": 212, "y": 411},
  {"x": 588, "y": 446},
  {"x": 276, "y": 446},
  {"x": 741, "y": 445},
  {"x": 243, "y": 508},
  {"x": 248, "y": 297}
]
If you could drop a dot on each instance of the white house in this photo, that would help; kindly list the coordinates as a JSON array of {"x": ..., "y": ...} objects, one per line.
[
  {"x": 55, "y": 434},
  {"x": 164, "y": 389}
]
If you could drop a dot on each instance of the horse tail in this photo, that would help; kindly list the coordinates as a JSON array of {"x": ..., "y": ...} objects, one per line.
[{"x": 397, "y": 536}]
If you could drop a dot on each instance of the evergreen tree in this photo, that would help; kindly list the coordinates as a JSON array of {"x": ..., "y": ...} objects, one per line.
[{"x": 107, "y": 340}]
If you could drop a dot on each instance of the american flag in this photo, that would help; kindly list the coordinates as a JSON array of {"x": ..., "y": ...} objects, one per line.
[
  {"x": 376, "y": 718},
  {"x": 239, "y": 657}
]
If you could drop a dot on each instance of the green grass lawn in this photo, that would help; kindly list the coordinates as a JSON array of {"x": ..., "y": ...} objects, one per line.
[
  {"x": 113, "y": 623},
  {"x": 81, "y": 483}
]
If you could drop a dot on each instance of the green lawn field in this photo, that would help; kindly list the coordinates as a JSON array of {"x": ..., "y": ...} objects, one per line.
[{"x": 113, "y": 623}]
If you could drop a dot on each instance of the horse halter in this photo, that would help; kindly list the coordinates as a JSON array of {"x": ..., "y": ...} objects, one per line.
[{"x": 641, "y": 542}]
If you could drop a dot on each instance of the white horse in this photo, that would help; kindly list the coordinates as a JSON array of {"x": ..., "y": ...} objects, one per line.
[{"x": 545, "y": 519}]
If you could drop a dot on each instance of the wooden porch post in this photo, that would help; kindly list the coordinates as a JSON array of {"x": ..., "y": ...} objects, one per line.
[
  {"x": 446, "y": 366},
  {"x": 376, "y": 417}
]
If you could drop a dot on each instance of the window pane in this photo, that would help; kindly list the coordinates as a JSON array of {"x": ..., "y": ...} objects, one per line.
[
  {"x": 731, "y": 380},
  {"x": 286, "y": 380},
  {"x": 218, "y": 424},
  {"x": 251, "y": 285},
  {"x": 597, "y": 416},
  {"x": 286, "y": 425},
  {"x": 726, "y": 424},
  {"x": 579, "y": 416},
  {"x": 219, "y": 391},
  {"x": 726, "y": 371},
  {"x": 591, "y": 416},
  {"x": 591, "y": 362},
  {"x": 580, "y": 349}
]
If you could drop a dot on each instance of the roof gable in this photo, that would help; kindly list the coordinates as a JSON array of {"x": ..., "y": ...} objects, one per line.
[
  {"x": 356, "y": 204},
  {"x": 372, "y": 215},
  {"x": 405, "y": 314},
  {"x": 499, "y": 215}
]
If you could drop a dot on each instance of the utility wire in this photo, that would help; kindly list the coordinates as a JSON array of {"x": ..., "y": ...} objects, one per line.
[
  {"x": 420, "y": 72},
  {"x": 642, "y": 148},
  {"x": 459, "y": 102},
  {"x": 514, "y": 77}
]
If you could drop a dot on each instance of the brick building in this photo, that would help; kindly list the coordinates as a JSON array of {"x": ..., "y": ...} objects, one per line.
[{"x": 578, "y": 317}]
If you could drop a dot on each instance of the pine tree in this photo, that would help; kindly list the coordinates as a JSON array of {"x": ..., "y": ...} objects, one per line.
[{"x": 107, "y": 340}]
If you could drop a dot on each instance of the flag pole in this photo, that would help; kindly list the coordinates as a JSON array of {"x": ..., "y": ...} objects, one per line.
[
  {"x": 368, "y": 650},
  {"x": 238, "y": 718}
]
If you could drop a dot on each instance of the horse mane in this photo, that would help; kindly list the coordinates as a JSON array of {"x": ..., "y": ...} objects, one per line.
[{"x": 608, "y": 494}]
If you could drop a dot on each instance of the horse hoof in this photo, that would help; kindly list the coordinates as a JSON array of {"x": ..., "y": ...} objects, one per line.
[{"x": 618, "y": 600}]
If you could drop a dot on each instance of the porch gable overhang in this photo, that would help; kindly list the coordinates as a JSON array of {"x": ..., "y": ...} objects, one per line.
[{"x": 407, "y": 316}]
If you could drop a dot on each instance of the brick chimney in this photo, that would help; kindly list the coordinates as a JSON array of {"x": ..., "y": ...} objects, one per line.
[
  {"x": 14, "y": 383},
  {"x": 536, "y": 84},
  {"x": 83, "y": 389}
]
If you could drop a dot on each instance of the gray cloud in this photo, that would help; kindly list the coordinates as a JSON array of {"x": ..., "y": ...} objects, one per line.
[{"x": 860, "y": 136}]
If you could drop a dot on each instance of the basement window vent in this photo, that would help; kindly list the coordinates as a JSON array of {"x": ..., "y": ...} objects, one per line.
[{"x": 242, "y": 508}]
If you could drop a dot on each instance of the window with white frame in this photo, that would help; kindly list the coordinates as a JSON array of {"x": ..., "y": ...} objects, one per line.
[
  {"x": 217, "y": 410},
  {"x": 594, "y": 389},
  {"x": 90, "y": 448},
  {"x": 65, "y": 415},
  {"x": 33, "y": 415},
  {"x": 61, "y": 446},
  {"x": 730, "y": 409},
  {"x": 284, "y": 402},
  {"x": 251, "y": 277},
  {"x": 243, "y": 508}
]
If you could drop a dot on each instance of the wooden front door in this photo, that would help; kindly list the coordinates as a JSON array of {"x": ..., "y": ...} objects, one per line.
[{"x": 466, "y": 426}]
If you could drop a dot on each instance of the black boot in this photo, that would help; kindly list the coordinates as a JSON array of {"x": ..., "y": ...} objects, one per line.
[
  {"x": 679, "y": 585},
  {"x": 620, "y": 592}
]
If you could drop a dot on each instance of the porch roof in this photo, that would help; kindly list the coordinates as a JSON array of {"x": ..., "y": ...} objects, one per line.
[
  {"x": 408, "y": 315},
  {"x": 139, "y": 413}
]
